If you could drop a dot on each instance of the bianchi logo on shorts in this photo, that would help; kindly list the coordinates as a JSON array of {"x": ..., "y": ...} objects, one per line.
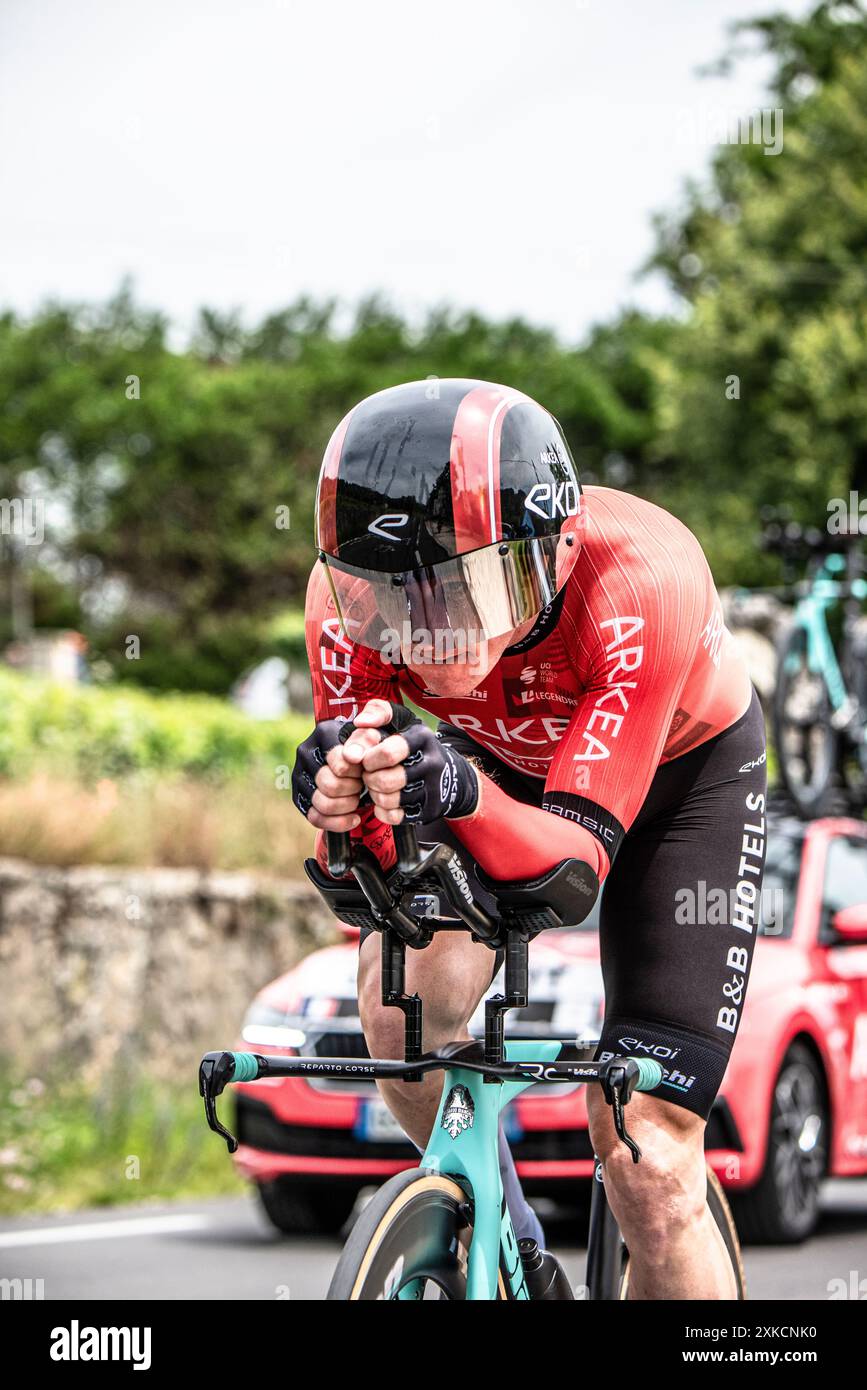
[
  {"x": 665, "y": 1055},
  {"x": 459, "y": 1111}
]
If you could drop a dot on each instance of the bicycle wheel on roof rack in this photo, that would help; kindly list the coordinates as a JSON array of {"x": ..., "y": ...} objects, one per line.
[
  {"x": 807, "y": 744},
  {"x": 410, "y": 1242},
  {"x": 853, "y": 744}
]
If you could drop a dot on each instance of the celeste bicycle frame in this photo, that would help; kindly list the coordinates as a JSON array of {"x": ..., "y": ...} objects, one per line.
[
  {"x": 470, "y": 1155},
  {"x": 823, "y": 592},
  {"x": 480, "y": 1080}
]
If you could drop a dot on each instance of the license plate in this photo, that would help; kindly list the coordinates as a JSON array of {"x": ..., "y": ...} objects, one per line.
[{"x": 377, "y": 1125}]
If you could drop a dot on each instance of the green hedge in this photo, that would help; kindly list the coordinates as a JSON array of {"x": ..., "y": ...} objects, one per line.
[{"x": 111, "y": 732}]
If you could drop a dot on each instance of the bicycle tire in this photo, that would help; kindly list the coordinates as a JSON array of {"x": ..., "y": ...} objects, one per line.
[
  {"x": 853, "y": 748},
  {"x": 413, "y": 1229},
  {"x": 807, "y": 792},
  {"x": 721, "y": 1213}
]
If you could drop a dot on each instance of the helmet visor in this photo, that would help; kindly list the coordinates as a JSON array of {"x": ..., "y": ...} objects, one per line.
[{"x": 448, "y": 611}]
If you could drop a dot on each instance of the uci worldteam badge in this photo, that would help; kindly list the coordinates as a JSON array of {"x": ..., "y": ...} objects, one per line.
[{"x": 459, "y": 1111}]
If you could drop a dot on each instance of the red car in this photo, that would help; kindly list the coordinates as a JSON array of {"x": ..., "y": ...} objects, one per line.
[{"x": 792, "y": 1109}]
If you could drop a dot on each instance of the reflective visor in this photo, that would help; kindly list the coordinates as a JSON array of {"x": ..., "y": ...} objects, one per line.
[{"x": 451, "y": 609}]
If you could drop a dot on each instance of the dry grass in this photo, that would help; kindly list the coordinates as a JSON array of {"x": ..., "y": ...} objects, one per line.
[{"x": 241, "y": 823}]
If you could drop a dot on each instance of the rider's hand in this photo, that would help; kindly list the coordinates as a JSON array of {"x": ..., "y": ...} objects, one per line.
[
  {"x": 412, "y": 775},
  {"x": 326, "y": 782}
]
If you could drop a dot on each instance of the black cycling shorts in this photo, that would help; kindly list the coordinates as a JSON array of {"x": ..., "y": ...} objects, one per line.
[{"x": 679, "y": 909}]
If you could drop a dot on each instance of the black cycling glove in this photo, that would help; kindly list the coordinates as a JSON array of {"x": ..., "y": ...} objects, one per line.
[
  {"x": 440, "y": 782},
  {"x": 310, "y": 757}
]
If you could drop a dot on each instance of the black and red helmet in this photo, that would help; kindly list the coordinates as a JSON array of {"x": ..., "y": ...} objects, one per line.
[{"x": 451, "y": 504}]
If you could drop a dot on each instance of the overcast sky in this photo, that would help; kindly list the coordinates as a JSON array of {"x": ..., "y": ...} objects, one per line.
[{"x": 501, "y": 154}]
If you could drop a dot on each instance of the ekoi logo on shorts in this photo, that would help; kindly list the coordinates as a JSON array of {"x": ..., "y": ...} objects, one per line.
[{"x": 755, "y": 762}]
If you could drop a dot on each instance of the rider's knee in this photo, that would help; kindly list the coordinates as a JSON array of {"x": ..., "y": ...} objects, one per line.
[{"x": 664, "y": 1194}]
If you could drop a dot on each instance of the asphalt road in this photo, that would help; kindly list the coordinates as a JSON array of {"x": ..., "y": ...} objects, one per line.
[{"x": 226, "y": 1250}]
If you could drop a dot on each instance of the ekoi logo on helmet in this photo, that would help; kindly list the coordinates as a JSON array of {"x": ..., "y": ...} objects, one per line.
[
  {"x": 553, "y": 499},
  {"x": 387, "y": 524}
]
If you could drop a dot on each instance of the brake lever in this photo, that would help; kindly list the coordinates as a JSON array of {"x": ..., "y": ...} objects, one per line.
[
  {"x": 617, "y": 1087},
  {"x": 216, "y": 1070}
]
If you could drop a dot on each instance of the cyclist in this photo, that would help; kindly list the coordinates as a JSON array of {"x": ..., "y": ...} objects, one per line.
[{"x": 592, "y": 705}]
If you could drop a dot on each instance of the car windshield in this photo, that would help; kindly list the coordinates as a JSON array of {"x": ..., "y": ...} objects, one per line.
[{"x": 780, "y": 885}]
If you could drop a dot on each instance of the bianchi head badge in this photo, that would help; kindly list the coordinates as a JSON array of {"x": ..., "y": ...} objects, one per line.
[
  {"x": 387, "y": 524},
  {"x": 458, "y": 1112}
]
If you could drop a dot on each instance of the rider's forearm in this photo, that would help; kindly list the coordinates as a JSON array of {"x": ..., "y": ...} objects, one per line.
[{"x": 514, "y": 841}]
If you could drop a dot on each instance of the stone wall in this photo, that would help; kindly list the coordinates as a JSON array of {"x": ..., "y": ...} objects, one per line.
[{"x": 102, "y": 967}]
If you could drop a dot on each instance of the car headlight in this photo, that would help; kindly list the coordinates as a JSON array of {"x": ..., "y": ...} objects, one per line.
[{"x": 268, "y": 1027}]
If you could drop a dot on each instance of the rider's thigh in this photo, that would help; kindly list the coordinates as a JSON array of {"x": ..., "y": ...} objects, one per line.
[
  {"x": 451, "y": 975},
  {"x": 679, "y": 913}
]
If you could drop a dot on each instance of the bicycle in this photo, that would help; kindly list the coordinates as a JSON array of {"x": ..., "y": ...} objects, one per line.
[
  {"x": 820, "y": 701},
  {"x": 443, "y": 1229}
]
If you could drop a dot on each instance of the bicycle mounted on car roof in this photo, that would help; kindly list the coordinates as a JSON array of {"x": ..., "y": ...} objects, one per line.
[{"x": 820, "y": 701}]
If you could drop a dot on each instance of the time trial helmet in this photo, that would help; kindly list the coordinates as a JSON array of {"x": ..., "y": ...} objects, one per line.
[{"x": 448, "y": 504}]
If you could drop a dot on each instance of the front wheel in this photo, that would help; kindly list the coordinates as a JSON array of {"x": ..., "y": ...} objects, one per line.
[
  {"x": 807, "y": 744},
  {"x": 411, "y": 1242}
]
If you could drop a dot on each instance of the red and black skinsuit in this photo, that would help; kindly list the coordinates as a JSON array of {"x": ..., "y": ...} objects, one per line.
[{"x": 626, "y": 730}]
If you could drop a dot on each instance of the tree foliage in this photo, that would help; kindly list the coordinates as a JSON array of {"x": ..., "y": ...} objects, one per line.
[
  {"x": 772, "y": 261},
  {"x": 166, "y": 472},
  {"x": 182, "y": 484}
]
